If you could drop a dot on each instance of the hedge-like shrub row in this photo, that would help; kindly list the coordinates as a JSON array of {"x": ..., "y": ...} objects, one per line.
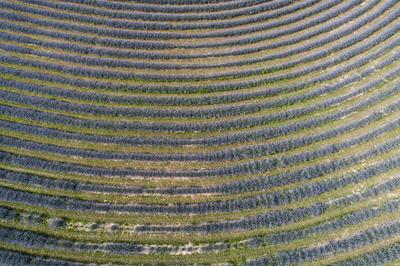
[
  {"x": 149, "y": 21},
  {"x": 187, "y": 6},
  {"x": 43, "y": 102},
  {"x": 148, "y": 55},
  {"x": 151, "y": 45},
  {"x": 264, "y": 182},
  {"x": 15, "y": 258},
  {"x": 162, "y": 66},
  {"x": 359, "y": 240},
  {"x": 101, "y": 73},
  {"x": 283, "y": 160},
  {"x": 266, "y": 200},
  {"x": 210, "y": 88},
  {"x": 214, "y": 126}
]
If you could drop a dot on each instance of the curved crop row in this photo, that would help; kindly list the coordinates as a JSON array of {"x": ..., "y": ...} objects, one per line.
[
  {"x": 199, "y": 132},
  {"x": 148, "y": 22}
]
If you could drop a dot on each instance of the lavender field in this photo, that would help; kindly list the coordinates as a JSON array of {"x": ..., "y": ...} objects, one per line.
[{"x": 199, "y": 132}]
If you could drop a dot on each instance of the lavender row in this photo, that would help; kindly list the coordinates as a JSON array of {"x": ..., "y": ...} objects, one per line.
[
  {"x": 164, "y": 45},
  {"x": 257, "y": 183},
  {"x": 341, "y": 222},
  {"x": 163, "y": 3},
  {"x": 242, "y": 153},
  {"x": 70, "y": 185},
  {"x": 350, "y": 219},
  {"x": 121, "y": 63},
  {"x": 129, "y": 54},
  {"x": 268, "y": 164},
  {"x": 182, "y": 2},
  {"x": 381, "y": 256},
  {"x": 276, "y": 218},
  {"x": 378, "y": 257},
  {"x": 266, "y": 133},
  {"x": 308, "y": 173},
  {"x": 150, "y": 21},
  {"x": 29, "y": 238},
  {"x": 221, "y": 111},
  {"x": 162, "y": 66},
  {"x": 15, "y": 258},
  {"x": 142, "y": 111},
  {"x": 268, "y": 200},
  {"x": 53, "y": 104},
  {"x": 198, "y": 100},
  {"x": 252, "y": 167},
  {"x": 212, "y": 126},
  {"x": 102, "y": 73},
  {"x": 358, "y": 240},
  {"x": 193, "y": 7},
  {"x": 145, "y": 35},
  {"x": 10, "y": 214},
  {"x": 228, "y": 154},
  {"x": 95, "y": 73},
  {"x": 270, "y": 219}
]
